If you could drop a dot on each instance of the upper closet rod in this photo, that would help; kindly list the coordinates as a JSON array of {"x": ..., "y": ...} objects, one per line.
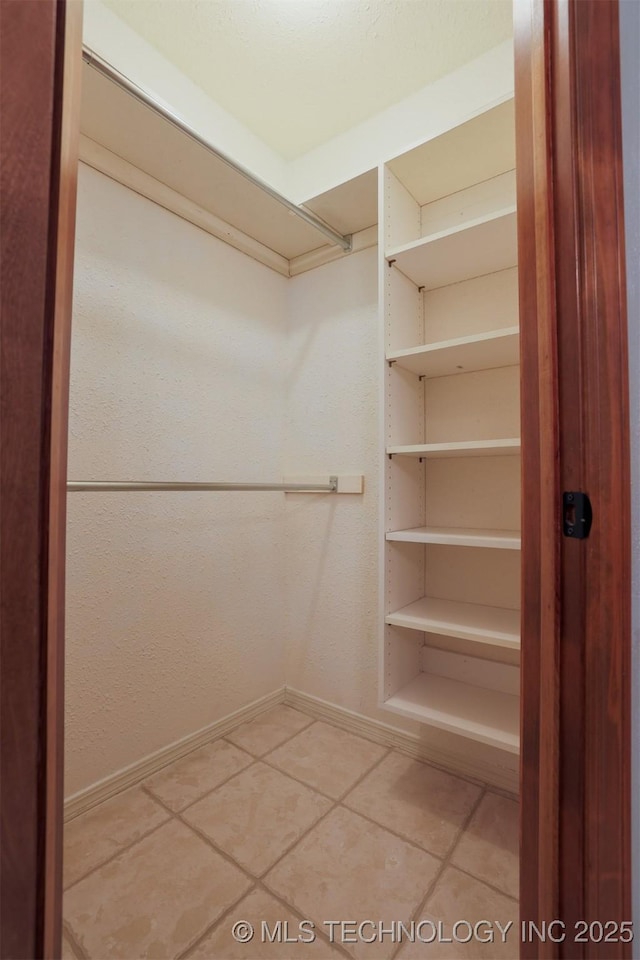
[
  {"x": 105, "y": 68},
  {"x": 99, "y": 485}
]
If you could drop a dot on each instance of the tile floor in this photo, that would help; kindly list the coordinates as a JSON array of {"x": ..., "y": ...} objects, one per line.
[{"x": 290, "y": 819}]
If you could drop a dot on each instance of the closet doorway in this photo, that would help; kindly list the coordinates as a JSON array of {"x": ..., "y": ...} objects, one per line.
[{"x": 575, "y": 800}]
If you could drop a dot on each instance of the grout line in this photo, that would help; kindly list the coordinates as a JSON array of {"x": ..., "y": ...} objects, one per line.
[
  {"x": 343, "y": 802},
  {"x": 499, "y": 792},
  {"x": 486, "y": 883},
  {"x": 208, "y": 930},
  {"x": 254, "y": 760},
  {"x": 319, "y": 790},
  {"x": 264, "y": 759},
  {"x": 260, "y": 878},
  {"x": 320, "y": 934},
  {"x": 465, "y": 870},
  {"x": 302, "y": 783},
  {"x": 132, "y": 776},
  {"x": 405, "y": 749},
  {"x": 334, "y": 722},
  {"x": 258, "y": 756},
  {"x": 259, "y": 882},
  {"x": 465, "y": 825},
  {"x": 149, "y": 791},
  {"x": 166, "y": 808},
  {"x": 67, "y": 932},
  {"x": 232, "y": 859},
  {"x": 335, "y": 803},
  {"x": 476, "y": 781},
  {"x": 445, "y": 863},
  {"x": 118, "y": 852},
  {"x": 398, "y": 836},
  {"x": 415, "y": 914}
]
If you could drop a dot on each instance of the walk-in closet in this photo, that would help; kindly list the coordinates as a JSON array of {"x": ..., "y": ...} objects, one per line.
[{"x": 292, "y": 661}]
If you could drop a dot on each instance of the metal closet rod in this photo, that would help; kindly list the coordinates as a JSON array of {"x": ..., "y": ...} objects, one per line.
[
  {"x": 97, "y": 486},
  {"x": 105, "y": 68}
]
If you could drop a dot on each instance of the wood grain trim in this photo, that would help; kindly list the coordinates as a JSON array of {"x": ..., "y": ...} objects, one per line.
[
  {"x": 27, "y": 56},
  {"x": 594, "y": 457},
  {"x": 601, "y": 343},
  {"x": 64, "y": 193},
  {"x": 540, "y": 692},
  {"x": 39, "y": 119},
  {"x": 575, "y": 845}
]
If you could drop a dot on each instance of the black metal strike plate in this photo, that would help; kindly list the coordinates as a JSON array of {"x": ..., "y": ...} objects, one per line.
[{"x": 576, "y": 514}]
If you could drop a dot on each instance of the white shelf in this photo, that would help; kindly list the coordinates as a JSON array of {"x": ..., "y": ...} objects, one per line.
[
  {"x": 459, "y": 537},
  {"x": 487, "y": 716},
  {"x": 474, "y": 151},
  {"x": 477, "y": 247},
  {"x": 468, "y": 621},
  {"x": 483, "y": 351},
  {"x": 115, "y": 120},
  {"x": 460, "y": 448}
]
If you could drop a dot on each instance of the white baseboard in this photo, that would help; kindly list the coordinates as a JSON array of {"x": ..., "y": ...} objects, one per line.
[
  {"x": 466, "y": 766},
  {"x": 83, "y": 800},
  {"x": 503, "y": 778}
]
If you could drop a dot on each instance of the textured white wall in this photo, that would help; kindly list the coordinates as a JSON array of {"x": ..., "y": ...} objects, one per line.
[
  {"x": 192, "y": 361},
  {"x": 331, "y": 417},
  {"x": 174, "y": 600}
]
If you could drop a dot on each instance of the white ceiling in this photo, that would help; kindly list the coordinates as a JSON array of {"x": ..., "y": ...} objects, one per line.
[{"x": 299, "y": 72}]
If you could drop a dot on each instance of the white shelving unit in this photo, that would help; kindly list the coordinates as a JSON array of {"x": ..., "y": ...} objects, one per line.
[
  {"x": 490, "y": 716},
  {"x": 450, "y": 639},
  {"x": 459, "y": 448},
  {"x": 469, "y": 621},
  {"x": 459, "y": 537},
  {"x": 481, "y": 351},
  {"x": 472, "y": 249}
]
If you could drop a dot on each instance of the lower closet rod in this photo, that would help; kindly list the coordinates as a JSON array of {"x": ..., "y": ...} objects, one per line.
[{"x": 99, "y": 485}]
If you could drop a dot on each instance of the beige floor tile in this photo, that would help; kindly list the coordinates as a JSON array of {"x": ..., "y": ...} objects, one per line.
[
  {"x": 457, "y": 898},
  {"x": 489, "y": 846},
  {"x": 155, "y": 899},
  {"x": 269, "y": 730},
  {"x": 267, "y": 942},
  {"x": 327, "y": 758},
  {"x": 196, "y": 774},
  {"x": 346, "y": 868},
  {"x": 257, "y": 815},
  {"x": 418, "y": 801},
  {"x": 100, "y": 833}
]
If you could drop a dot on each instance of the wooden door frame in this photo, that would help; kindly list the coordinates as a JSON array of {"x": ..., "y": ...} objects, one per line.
[
  {"x": 41, "y": 44},
  {"x": 576, "y": 631},
  {"x": 576, "y": 594}
]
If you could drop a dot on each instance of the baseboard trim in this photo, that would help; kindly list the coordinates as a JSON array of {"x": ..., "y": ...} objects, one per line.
[
  {"x": 411, "y": 744},
  {"x": 504, "y": 779},
  {"x": 83, "y": 800}
]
